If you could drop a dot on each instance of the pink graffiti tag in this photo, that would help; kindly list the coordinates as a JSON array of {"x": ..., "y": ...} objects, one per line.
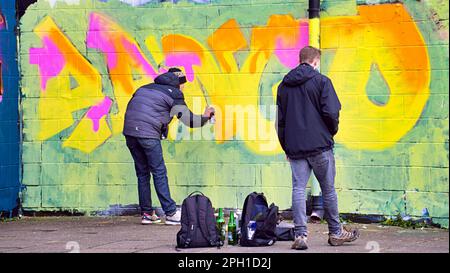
[
  {"x": 49, "y": 59},
  {"x": 97, "y": 37},
  {"x": 107, "y": 37},
  {"x": 187, "y": 60},
  {"x": 287, "y": 51},
  {"x": 98, "y": 111},
  {"x": 139, "y": 58}
]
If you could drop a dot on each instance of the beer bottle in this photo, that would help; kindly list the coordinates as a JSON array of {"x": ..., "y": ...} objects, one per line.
[
  {"x": 232, "y": 233},
  {"x": 220, "y": 226}
]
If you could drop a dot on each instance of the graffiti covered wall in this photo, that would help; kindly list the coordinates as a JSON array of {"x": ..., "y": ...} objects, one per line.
[
  {"x": 82, "y": 60},
  {"x": 9, "y": 114}
]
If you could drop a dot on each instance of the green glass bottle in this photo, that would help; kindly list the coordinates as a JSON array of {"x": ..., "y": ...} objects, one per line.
[
  {"x": 220, "y": 226},
  {"x": 232, "y": 232}
]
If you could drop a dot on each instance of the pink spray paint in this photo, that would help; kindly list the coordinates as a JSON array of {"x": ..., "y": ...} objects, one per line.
[
  {"x": 287, "y": 52},
  {"x": 186, "y": 60},
  {"x": 98, "y": 111},
  {"x": 49, "y": 59},
  {"x": 139, "y": 58},
  {"x": 101, "y": 36},
  {"x": 98, "y": 38}
]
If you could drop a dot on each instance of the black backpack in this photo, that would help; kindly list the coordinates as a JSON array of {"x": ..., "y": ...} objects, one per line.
[
  {"x": 265, "y": 217},
  {"x": 198, "y": 223}
]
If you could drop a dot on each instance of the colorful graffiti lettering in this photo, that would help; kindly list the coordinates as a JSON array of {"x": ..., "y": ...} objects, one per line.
[
  {"x": 365, "y": 124},
  {"x": 123, "y": 58},
  {"x": 60, "y": 66},
  {"x": 213, "y": 68}
]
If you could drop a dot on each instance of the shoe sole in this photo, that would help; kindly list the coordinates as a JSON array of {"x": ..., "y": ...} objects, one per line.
[
  {"x": 151, "y": 223},
  {"x": 300, "y": 246},
  {"x": 335, "y": 243},
  {"x": 170, "y": 223}
]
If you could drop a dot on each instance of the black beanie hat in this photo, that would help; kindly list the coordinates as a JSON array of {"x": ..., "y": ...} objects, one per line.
[{"x": 179, "y": 73}]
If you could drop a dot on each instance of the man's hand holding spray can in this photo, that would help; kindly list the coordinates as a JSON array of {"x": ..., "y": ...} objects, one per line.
[
  {"x": 209, "y": 112},
  {"x": 212, "y": 118}
]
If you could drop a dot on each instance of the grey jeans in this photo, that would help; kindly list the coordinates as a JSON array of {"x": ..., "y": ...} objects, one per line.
[{"x": 324, "y": 169}]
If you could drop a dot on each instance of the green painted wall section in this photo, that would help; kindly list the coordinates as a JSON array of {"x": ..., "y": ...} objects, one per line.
[{"x": 405, "y": 177}]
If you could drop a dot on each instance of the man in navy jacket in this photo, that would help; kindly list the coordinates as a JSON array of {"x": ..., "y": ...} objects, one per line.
[
  {"x": 147, "y": 118},
  {"x": 308, "y": 119}
]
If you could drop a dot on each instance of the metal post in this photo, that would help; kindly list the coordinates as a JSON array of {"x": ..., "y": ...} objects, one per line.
[
  {"x": 314, "y": 23},
  {"x": 314, "y": 40}
]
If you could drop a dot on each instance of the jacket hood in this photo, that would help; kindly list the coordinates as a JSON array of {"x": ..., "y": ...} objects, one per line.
[
  {"x": 168, "y": 79},
  {"x": 300, "y": 75}
]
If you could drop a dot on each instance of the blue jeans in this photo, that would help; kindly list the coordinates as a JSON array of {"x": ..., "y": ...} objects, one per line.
[
  {"x": 324, "y": 169},
  {"x": 148, "y": 158}
]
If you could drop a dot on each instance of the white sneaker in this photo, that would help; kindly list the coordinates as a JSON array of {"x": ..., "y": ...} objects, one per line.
[{"x": 174, "y": 219}]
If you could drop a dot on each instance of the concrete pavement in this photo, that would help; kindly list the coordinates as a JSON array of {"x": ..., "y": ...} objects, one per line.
[{"x": 126, "y": 234}]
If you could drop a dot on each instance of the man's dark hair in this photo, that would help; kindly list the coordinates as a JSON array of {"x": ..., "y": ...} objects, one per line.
[
  {"x": 179, "y": 73},
  {"x": 308, "y": 54}
]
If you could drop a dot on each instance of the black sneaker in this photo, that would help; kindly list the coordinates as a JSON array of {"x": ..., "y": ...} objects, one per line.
[{"x": 148, "y": 219}]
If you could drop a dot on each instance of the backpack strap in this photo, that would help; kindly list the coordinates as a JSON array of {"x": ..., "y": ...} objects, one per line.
[
  {"x": 245, "y": 208},
  {"x": 245, "y": 217},
  {"x": 198, "y": 192},
  {"x": 189, "y": 205}
]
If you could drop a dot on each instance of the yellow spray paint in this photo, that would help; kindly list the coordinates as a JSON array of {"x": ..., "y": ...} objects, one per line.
[
  {"x": 396, "y": 46},
  {"x": 314, "y": 32}
]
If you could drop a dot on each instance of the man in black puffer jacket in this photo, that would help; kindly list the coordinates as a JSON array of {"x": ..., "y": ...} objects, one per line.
[
  {"x": 147, "y": 118},
  {"x": 308, "y": 118}
]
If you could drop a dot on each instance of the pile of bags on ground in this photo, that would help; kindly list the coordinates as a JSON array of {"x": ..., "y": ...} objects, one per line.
[{"x": 258, "y": 225}]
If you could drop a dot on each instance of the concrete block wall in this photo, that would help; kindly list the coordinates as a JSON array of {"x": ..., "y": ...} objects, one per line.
[
  {"x": 9, "y": 110},
  {"x": 82, "y": 60}
]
